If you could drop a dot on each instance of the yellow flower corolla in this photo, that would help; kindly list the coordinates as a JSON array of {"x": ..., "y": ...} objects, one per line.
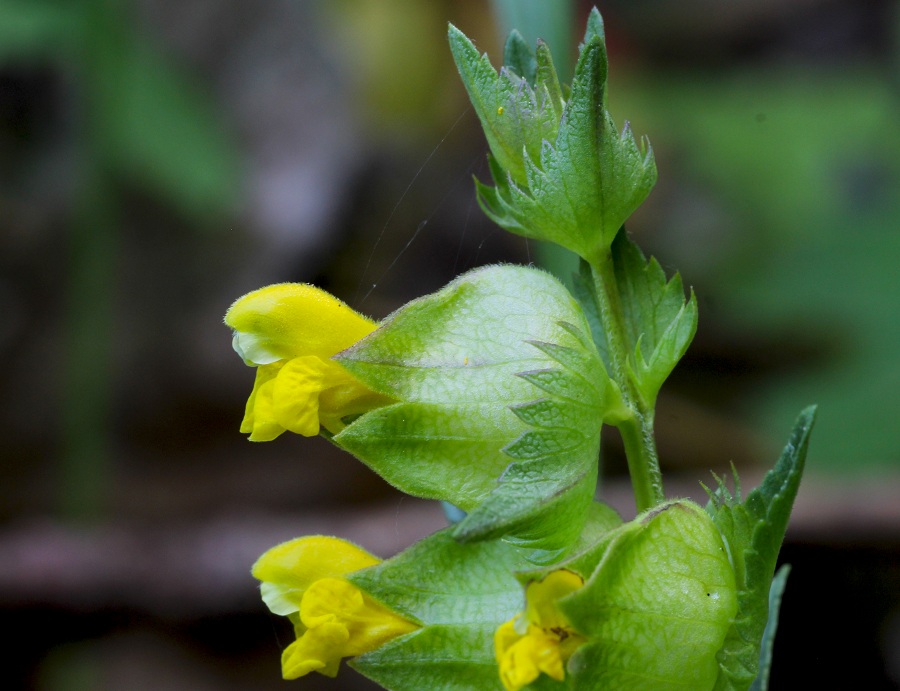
[
  {"x": 304, "y": 579},
  {"x": 289, "y": 331},
  {"x": 542, "y": 640}
]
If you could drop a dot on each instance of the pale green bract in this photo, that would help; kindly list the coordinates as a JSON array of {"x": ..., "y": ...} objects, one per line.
[
  {"x": 460, "y": 593},
  {"x": 658, "y": 601},
  {"x": 501, "y": 393}
]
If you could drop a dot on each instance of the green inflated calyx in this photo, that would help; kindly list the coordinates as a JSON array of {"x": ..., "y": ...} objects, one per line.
[
  {"x": 562, "y": 171},
  {"x": 657, "y": 607},
  {"x": 460, "y": 594},
  {"x": 501, "y": 394}
]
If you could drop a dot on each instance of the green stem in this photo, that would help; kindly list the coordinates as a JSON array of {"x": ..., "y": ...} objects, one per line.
[
  {"x": 636, "y": 430},
  {"x": 643, "y": 464}
]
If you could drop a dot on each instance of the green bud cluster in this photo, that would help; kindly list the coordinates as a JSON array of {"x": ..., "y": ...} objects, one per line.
[{"x": 562, "y": 171}]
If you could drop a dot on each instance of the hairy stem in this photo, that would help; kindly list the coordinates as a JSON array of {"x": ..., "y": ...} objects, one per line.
[{"x": 637, "y": 430}]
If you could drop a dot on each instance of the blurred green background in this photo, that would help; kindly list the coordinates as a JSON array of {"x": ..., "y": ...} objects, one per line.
[{"x": 159, "y": 158}]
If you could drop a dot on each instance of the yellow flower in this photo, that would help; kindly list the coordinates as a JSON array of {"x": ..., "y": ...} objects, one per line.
[
  {"x": 543, "y": 640},
  {"x": 289, "y": 331},
  {"x": 304, "y": 579}
]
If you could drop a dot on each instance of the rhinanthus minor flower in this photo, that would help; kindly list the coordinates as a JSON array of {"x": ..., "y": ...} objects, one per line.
[
  {"x": 543, "y": 640},
  {"x": 289, "y": 331},
  {"x": 304, "y": 579}
]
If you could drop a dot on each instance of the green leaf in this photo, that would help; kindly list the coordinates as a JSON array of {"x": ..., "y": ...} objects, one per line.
[
  {"x": 601, "y": 528},
  {"x": 442, "y": 581},
  {"x": 495, "y": 368},
  {"x": 761, "y": 683},
  {"x": 534, "y": 507},
  {"x": 516, "y": 117},
  {"x": 753, "y": 531},
  {"x": 539, "y": 19},
  {"x": 439, "y": 657},
  {"x": 575, "y": 189},
  {"x": 594, "y": 28},
  {"x": 657, "y": 607},
  {"x": 602, "y": 519},
  {"x": 546, "y": 77},
  {"x": 519, "y": 57},
  {"x": 460, "y": 593},
  {"x": 660, "y": 324}
]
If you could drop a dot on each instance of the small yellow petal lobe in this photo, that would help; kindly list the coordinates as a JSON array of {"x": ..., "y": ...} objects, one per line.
[{"x": 543, "y": 640}]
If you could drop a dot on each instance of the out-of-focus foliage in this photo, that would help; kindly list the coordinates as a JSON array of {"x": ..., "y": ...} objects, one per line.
[
  {"x": 803, "y": 167},
  {"x": 401, "y": 98},
  {"x": 138, "y": 121},
  {"x": 142, "y": 118}
]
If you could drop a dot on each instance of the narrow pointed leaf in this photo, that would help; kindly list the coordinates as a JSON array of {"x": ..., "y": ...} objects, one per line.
[
  {"x": 519, "y": 57},
  {"x": 776, "y": 591},
  {"x": 753, "y": 532},
  {"x": 584, "y": 291}
]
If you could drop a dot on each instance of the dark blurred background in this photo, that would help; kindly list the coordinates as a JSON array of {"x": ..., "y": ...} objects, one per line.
[{"x": 160, "y": 158}]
